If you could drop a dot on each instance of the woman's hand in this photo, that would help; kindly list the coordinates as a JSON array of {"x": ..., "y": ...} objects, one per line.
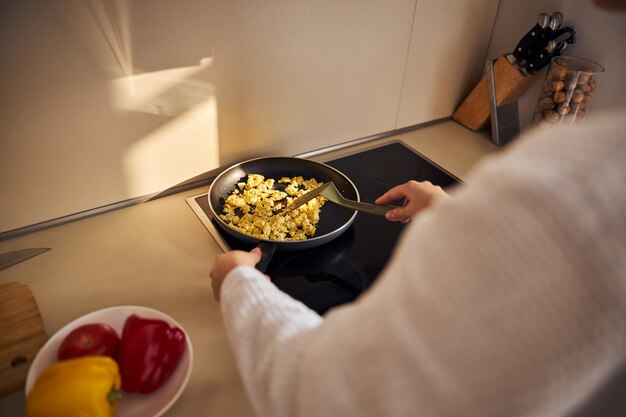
[
  {"x": 417, "y": 196},
  {"x": 226, "y": 262}
]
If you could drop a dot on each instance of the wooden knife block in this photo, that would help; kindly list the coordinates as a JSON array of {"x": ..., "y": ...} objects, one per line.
[
  {"x": 510, "y": 85},
  {"x": 21, "y": 335}
]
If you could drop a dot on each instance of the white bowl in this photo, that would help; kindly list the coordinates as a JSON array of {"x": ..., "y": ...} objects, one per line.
[{"x": 131, "y": 405}]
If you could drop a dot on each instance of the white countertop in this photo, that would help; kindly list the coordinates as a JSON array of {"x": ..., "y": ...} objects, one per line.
[{"x": 158, "y": 254}]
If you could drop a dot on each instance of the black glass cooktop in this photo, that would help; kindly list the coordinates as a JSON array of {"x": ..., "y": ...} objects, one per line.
[{"x": 337, "y": 272}]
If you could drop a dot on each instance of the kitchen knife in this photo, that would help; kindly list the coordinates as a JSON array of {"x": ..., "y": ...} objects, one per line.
[
  {"x": 567, "y": 30},
  {"x": 524, "y": 46},
  {"x": 554, "y": 48},
  {"x": 14, "y": 257},
  {"x": 560, "y": 47},
  {"x": 541, "y": 43},
  {"x": 543, "y": 57},
  {"x": 556, "y": 51},
  {"x": 556, "y": 19}
]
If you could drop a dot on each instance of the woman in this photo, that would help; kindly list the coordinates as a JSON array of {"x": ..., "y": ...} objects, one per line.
[{"x": 506, "y": 299}]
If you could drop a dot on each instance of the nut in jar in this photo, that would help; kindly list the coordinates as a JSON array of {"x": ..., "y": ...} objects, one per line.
[{"x": 567, "y": 91}]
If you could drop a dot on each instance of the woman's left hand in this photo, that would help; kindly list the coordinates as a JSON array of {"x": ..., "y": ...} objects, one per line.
[{"x": 226, "y": 262}]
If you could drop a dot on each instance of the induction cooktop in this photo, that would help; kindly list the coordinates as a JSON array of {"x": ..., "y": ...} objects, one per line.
[{"x": 339, "y": 271}]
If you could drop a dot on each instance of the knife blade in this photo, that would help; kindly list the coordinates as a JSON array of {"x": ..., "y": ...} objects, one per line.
[{"x": 8, "y": 259}]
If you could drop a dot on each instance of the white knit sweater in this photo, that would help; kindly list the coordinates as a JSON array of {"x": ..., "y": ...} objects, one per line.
[{"x": 508, "y": 299}]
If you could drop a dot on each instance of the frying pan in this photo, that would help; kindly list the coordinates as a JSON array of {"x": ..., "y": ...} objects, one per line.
[{"x": 334, "y": 219}]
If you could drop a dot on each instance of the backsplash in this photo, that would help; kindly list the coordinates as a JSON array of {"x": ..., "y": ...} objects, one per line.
[{"x": 108, "y": 101}]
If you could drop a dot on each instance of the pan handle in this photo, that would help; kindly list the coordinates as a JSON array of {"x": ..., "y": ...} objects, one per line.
[{"x": 267, "y": 250}]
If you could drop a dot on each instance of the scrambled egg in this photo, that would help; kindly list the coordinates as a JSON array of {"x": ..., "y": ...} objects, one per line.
[{"x": 251, "y": 208}]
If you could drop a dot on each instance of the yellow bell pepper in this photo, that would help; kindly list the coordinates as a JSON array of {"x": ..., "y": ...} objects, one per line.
[{"x": 88, "y": 386}]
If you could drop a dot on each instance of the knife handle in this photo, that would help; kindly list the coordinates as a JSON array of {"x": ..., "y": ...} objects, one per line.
[
  {"x": 523, "y": 48},
  {"x": 544, "y": 57}
]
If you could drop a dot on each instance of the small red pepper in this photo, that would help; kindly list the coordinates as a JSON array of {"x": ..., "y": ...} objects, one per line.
[{"x": 149, "y": 352}]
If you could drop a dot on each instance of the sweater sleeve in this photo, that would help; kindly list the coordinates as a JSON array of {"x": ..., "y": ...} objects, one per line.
[
  {"x": 507, "y": 299},
  {"x": 267, "y": 329}
]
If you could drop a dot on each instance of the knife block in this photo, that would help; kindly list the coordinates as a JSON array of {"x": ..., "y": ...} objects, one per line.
[{"x": 510, "y": 84}]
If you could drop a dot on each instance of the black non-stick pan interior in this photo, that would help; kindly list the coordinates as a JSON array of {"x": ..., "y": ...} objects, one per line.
[{"x": 333, "y": 218}]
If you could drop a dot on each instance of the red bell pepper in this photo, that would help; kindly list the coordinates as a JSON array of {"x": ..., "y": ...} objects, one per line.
[{"x": 150, "y": 350}]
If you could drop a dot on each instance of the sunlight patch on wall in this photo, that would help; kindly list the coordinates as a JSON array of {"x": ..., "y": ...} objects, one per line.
[
  {"x": 167, "y": 92},
  {"x": 181, "y": 149}
]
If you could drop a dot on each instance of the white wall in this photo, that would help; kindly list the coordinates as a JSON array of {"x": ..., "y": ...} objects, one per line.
[
  {"x": 600, "y": 34},
  {"x": 446, "y": 57},
  {"x": 105, "y": 100}
]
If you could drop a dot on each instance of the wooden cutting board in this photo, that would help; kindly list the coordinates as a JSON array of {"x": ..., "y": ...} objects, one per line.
[{"x": 21, "y": 335}]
